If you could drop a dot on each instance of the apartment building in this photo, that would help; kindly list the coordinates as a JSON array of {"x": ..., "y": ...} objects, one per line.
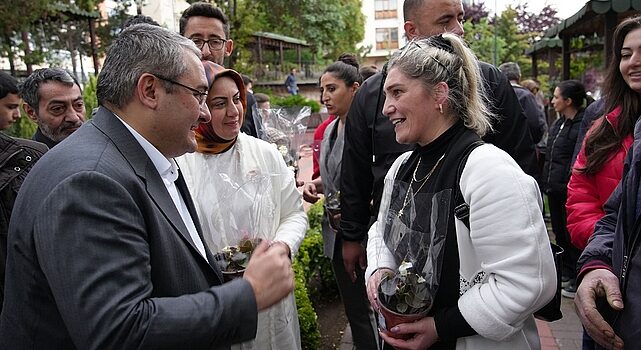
[{"x": 384, "y": 32}]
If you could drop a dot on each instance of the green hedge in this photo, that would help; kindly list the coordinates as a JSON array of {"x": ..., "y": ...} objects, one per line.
[
  {"x": 288, "y": 100},
  {"x": 310, "y": 268},
  {"x": 23, "y": 128}
]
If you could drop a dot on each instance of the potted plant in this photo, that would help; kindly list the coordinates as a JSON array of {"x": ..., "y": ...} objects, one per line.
[
  {"x": 285, "y": 128},
  {"x": 404, "y": 296},
  {"x": 333, "y": 207},
  {"x": 233, "y": 260}
]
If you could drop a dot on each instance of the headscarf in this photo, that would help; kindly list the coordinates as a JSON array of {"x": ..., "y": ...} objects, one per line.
[{"x": 208, "y": 141}]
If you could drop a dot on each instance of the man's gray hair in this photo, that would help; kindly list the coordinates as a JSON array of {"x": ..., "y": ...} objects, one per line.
[
  {"x": 511, "y": 70},
  {"x": 29, "y": 88},
  {"x": 139, "y": 49}
]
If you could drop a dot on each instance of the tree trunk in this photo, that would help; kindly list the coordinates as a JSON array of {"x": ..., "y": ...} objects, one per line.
[
  {"x": 27, "y": 51},
  {"x": 82, "y": 68},
  {"x": 10, "y": 56}
]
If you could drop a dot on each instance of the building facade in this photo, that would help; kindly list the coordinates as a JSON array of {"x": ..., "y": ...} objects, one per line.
[{"x": 384, "y": 32}]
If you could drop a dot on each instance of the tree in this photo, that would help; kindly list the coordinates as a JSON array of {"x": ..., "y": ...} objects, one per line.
[
  {"x": 515, "y": 42},
  {"x": 340, "y": 27},
  {"x": 534, "y": 25},
  {"x": 482, "y": 40},
  {"x": 29, "y": 27},
  {"x": 16, "y": 19},
  {"x": 475, "y": 12}
]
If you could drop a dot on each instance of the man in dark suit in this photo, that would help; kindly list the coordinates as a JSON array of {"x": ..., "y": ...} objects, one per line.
[{"x": 105, "y": 248}]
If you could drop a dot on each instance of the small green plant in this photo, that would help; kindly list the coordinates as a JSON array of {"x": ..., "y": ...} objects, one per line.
[
  {"x": 236, "y": 258},
  {"x": 404, "y": 292}
]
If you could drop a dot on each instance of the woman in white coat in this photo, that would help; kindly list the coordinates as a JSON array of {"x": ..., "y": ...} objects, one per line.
[
  {"x": 242, "y": 187},
  {"x": 494, "y": 275}
]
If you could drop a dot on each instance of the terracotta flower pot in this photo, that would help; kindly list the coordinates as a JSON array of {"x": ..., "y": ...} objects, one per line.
[{"x": 393, "y": 318}]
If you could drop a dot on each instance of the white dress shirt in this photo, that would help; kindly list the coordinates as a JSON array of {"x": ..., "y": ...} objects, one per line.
[{"x": 168, "y": 171}]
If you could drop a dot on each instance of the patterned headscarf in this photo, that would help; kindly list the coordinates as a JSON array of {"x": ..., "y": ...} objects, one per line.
[{"x": 208, "y": 141}]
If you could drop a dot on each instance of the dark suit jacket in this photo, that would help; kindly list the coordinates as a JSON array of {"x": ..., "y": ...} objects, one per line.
[{"x": 99, "y": 257}]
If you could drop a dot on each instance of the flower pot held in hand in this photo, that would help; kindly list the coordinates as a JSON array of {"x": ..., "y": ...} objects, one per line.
[
  {"x": 404, "y": 297},
  {"x": 232, "y": 275},
  {"x": 392, "y": 319},
  {"x": 232, "y": 260}
]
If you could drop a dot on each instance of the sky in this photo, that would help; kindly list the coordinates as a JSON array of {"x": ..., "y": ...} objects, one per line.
[{"x": 565, "y": 8}]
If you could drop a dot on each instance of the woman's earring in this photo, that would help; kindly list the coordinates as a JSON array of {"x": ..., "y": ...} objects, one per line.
[{"x": 440, "y": 108}]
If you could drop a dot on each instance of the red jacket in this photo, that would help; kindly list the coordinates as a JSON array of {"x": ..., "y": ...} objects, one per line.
[
  {"x": 318, "y": 138},
  {"x": 588, "y": 193}
]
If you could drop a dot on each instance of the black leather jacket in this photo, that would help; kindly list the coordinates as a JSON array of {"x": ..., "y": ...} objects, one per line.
[
  {"x": 558, "y": 159},
  {"x": 17, "y": 156}
]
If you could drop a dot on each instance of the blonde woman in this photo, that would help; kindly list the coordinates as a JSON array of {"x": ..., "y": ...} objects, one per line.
[{"x": 496, "y": 273}]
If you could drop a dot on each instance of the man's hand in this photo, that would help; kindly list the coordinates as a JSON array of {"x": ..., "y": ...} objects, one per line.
[
  {"x": 423, "y": 331},
  {"x": 599, "y": 283},
  {"x": 354, "y": 253},
  {"x": 270, "y": 274}
]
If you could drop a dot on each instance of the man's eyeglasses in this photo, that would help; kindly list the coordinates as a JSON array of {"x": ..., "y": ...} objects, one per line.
[
  {"x": 214, "y": 44},
  {"x": 200, "y": 96}
]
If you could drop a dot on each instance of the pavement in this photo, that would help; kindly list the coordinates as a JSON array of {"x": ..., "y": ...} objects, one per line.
[{"x": 563, "y": 334}]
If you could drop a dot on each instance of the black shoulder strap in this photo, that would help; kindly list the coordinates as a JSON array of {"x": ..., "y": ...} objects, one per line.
[{"x": 462, "y": 209}]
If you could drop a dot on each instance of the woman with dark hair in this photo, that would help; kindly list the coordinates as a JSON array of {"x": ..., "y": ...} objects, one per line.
[
  {"x": 568, "y": 100},
  {"x": 484, "y": 273},
  {"x": 599, "y": 164},
  {"x": 242, "y": 189},
  {"x": 338, "y": 85}
]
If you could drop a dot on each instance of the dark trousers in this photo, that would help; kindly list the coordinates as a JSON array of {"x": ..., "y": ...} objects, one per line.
[
  {"x": 558, "y": 219},
  {"x": 359, "y": 313}
]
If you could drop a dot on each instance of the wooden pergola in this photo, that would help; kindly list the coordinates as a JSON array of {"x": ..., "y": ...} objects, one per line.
[
  {"x": 75, "y": 14},
  {"x": 595, "y": 22},
  {"x": 263, "y": 41}
]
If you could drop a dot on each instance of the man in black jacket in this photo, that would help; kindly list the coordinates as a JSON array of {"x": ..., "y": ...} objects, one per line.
[
  {"x": 17, "y": 156},
  {"x": 533, "y": 112},
  {"x": 53, "y": 99},
  {"x": 370, "y": 143}
]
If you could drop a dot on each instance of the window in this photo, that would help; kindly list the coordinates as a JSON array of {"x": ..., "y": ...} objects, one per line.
[
  {"x": 386, "y": 38},
  {"x": 385, "y": 9}
]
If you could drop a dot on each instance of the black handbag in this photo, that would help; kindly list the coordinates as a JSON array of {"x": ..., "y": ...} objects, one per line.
[{"x": 552, "y": 310}]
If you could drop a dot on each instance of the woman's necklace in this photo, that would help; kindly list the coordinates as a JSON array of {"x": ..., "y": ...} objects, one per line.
[{"x": 423, "y": 181}]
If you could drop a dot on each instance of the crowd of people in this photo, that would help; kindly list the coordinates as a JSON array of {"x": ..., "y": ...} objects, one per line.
[{"x": 113, "y": 230}]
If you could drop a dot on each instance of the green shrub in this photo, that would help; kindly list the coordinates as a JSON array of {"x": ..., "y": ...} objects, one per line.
[
  {"x": 295, "y": 100},
  {"x": 314, "y": 276},
  {"x": 315, "y": 215},
  {"x": 309, "y": 329},
  {"x": 23, "y": 128},
  {"x": 89, "y": 96}
]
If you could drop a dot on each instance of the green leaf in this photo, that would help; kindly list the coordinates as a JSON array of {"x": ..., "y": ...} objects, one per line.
[{"x": 401, "y": 307}]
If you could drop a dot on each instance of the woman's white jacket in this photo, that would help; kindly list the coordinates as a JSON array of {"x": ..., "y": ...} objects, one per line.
[
  {"x": 281, "y": 217},
  {"x": 506, "y": 267}
]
